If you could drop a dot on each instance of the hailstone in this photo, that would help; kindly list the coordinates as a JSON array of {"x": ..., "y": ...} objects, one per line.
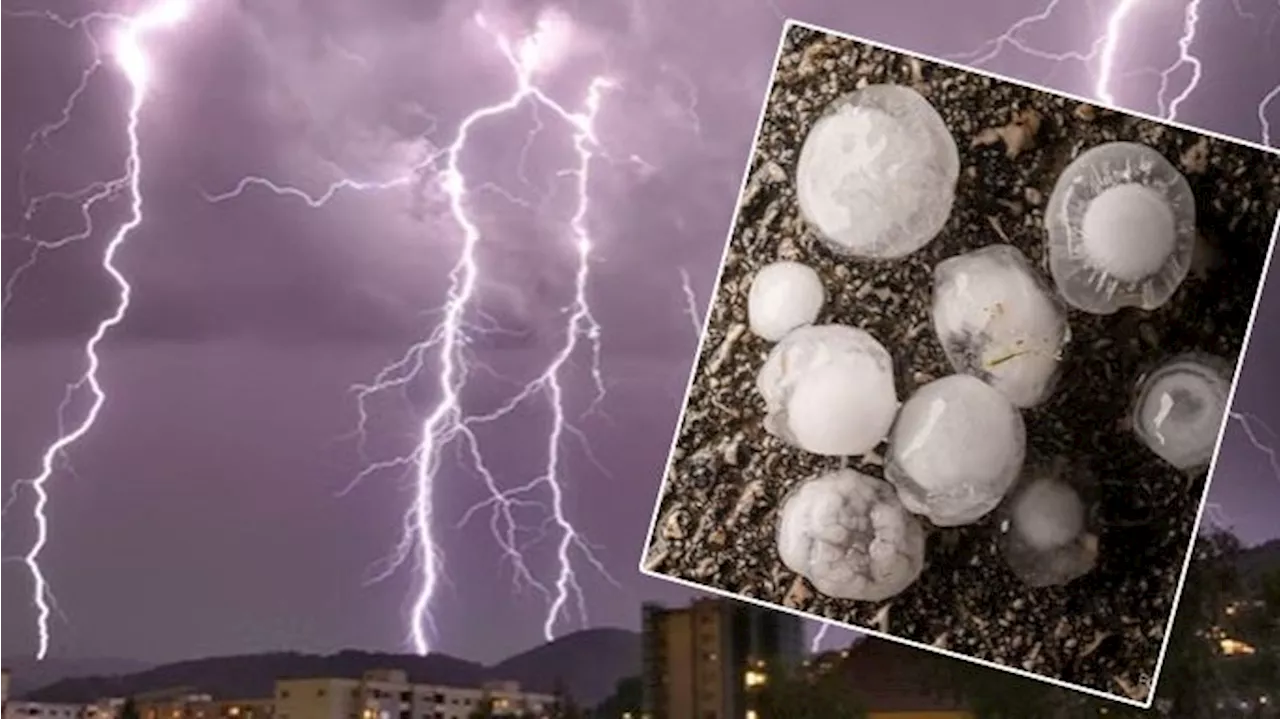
[
  {"x": 784, "y": 296},
  {"x": 1046, "y": 535},
  {"x": 847, "y": 533},
  {"x": 997, "y": 320},
  {"x": 877, "y": 173},
  {"x": 956, "y": 449},
  {"x": 829, "y": 390},
  {"x": 1180, "y": 408},
  {"x": 1121, "y": 222}
]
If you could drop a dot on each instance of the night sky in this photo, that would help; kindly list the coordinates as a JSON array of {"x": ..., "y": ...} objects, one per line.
[{"x": 205, "y": 511}]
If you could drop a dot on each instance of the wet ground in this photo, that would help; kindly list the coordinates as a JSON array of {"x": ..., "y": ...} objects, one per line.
[{"x": 718, "y": 510}]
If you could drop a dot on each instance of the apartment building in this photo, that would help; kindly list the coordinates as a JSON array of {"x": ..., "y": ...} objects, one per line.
[
  {"x": 42, "y": 710},
  {"x": 702, "y": 661},
  {"x": 388, "y": 694},
  {"x": 185, "y": 703}
]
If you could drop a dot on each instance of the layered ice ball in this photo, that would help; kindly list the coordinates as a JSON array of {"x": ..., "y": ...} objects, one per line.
[
  {"x": 1121, "y": 222},
  {"x": 848, "y": 534},
  {"x": 1180, "y": 408},
  {"x": 877, "y": 173},
  {"x": 829, "y": 390},
  {"x": 1046, "y": 540},
  {"x": 997, "y": 320},
  {"x": 956, "y": 449}
]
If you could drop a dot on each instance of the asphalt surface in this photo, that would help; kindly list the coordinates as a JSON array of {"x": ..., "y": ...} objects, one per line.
[{"x": 717, "y": 520}]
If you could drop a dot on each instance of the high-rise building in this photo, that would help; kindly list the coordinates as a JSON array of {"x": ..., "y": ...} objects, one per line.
[{"x": 702, "y": 661}]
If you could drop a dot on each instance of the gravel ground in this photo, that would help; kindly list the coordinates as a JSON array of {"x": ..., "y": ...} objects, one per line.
[{"x": 717, "y": 520}]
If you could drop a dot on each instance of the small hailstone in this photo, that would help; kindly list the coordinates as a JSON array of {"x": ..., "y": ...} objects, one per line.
[
  {"x": 1122, "y": 225},
  {"x": 783, "y": 296},
  {"x": 847, "y": 533},
  {"x": 957, "y": 447},
  {"x": 1180, "y": 408},
  {"x": 997, "y": 320},
  {"x": 877, "y": 173},
  {"x": 1047, "y": 539},
  {"x": 829, "y": 390}
]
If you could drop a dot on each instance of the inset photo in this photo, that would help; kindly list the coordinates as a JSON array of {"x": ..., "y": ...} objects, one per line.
[{"x": 967, "y": 366}]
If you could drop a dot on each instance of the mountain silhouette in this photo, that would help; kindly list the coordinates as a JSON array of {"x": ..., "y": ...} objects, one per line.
[{"x": 588, "y": 663}]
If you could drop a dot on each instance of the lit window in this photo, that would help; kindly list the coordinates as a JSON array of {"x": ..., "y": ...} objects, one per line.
[
  {"x": 755, "y": 679},
  {"x": 1234, "y": 647}
]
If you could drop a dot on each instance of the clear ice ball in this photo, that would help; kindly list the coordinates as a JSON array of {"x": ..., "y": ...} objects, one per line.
[
  {"x": 1046, "y": 537},
  {"x": 847, "y": 533},
  {"x": 956, "y": 449},
  {"x": 783, "y": 296},
  {"x": 877, "y": 173},
  {"x": 1180, "y": 409},
  {"x": 829, "y": 390},
  {"x": 1121, "y": 222},
  {"x": 1000, "y": 322}
]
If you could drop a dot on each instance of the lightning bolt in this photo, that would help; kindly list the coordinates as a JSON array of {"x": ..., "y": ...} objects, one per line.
[
  {"x": 132, "y": 61},
  {"x": 1103, "y": 53},
  {"x": 815, "y": 645},
  {"x": 691, "y": 303},
  {"x": 449, "y": 423}
]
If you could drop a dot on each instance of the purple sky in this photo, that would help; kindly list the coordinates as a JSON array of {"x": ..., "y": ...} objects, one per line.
[{"x": 202, "y": 513}]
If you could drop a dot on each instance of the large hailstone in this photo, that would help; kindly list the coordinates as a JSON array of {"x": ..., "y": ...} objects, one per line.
[
  {"x": 957, "y": 447},
  {"x": 1180, "y": 408},
  {"x": 1046, "y": 538},
  {"x": 829, "y": 390},
  {"x": 997, "y": 320},
  {"x": 783, "y": 296},
  {"x": 877, "y": 173},
  {"x": 1122, "y": 227},
  {"x": 850, "y": 537}
]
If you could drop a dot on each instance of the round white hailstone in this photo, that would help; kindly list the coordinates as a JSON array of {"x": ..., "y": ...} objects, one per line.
[
  {"x": 1046, "y": 536},
  {"x": 850, "y": 537},
  {"x": 829, "y": 390},
  {"x": 998, "y": 321},
  {"x": 1048, "y": 514},
  {"x": 877, "y": 173},
  {"x": 956, "y": 449},
  {"x": 784, "y": 296},
  {"x": 1121, "y": 222},
  {"x": 1180, "y": 408}
]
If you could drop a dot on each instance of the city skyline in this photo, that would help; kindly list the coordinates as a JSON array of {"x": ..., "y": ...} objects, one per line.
[{"x": 212, "y": 485}]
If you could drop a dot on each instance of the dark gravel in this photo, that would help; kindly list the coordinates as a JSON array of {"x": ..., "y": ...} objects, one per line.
[{"x": 717, "y": 520}]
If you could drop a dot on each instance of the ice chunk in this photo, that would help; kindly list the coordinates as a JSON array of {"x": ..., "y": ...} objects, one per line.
[
  {"x": 1047, "y": 539},
  {"x": 1180, "y": 408},
  {"x": 784, "y": 296},
  {"x": 829, "y": 389},
  {"x": 877, "y": 173},
  {"x": 999, "y": 321},
  {"x": 847, "y": 533},
  {"x": 955, "y": 450},
  {"x": 1122, "y": 227}
]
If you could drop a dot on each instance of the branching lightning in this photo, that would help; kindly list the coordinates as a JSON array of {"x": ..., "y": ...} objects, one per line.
[
  {"x": 132, "y": 60},
  {"x": 1102, "y": 54},
  {"x": 448, "y": 422}
]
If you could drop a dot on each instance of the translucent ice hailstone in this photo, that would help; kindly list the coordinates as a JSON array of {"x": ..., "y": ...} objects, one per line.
[
  {"x": 850, "y": 537},
  {"x": 957, "y": 447},
  {"x": 1122, "y": 223},
  {"x": 997, "y": 320},
  {"x": 829, "y": 390},
  {"x": 784, "y": 296},
  {"x": 1046, "y": 540},
  {"x": 877, "y": 173},
  {"x": 1180, "y": 407}
]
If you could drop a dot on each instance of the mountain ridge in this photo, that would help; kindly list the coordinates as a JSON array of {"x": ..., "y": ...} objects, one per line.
[{"x": 589, "y": 662}]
